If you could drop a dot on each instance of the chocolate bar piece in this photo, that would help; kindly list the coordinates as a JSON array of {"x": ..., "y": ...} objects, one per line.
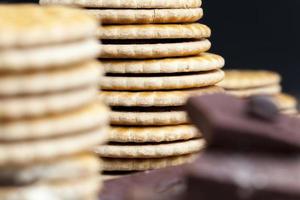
[
  {"x": 227, "y": 122},
  {"x": 243, "y": 177},
  {"x": 161, "y": 184}
]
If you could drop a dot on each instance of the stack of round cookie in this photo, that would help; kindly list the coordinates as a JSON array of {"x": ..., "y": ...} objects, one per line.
[
  {"x": 153, "y": 56},
  {"x": 151, "y": 69},
  {"x": 246, "y": 83},
  {"x": 49, "y": 115}
]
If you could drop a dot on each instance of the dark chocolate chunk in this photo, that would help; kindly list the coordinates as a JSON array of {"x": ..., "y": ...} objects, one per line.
[
  {"x": 225, "y": 123},
  {"x": 168, "y": 183},
  {"x": 263, "y": 107},
  {"x": 243, "y": 177}
]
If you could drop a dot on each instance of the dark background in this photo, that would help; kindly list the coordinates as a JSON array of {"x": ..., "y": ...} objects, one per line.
[{"x": 257, "y": 34}]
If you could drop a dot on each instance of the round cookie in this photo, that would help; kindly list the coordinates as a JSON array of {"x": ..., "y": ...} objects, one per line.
[
  {"x": 248, "y": 79},
  {"x": 86, "y": 118},
  {"x": 152, "y": 134},
  {"x": 159, "y": 82},
  {"x": 115, "y": 164},
  {"x": 155, "y": 98},
  {"x": 291, "y": 111},
  {"x": 48, "y": 25},
  {"x": 75, "y": 189},
  {"x": 285, "y": 101},
  {"x": 29, "y": 151},
  {"x": 74, "y": 166},
  {"x": 263, "y": 90},
  {"x": 202, "y": 62},
  {"x": 47, "y": 104},
  {"x": 151, "y": 118},
  {"x": 146, "y": 16},
  {"x": 48, "y": 57},
  {"x": 150, "y": 150},
  {"x": 128, "y": 3},
  {"x": 154, "y": 31},
  {"x": 84, "y": 74},
  {"x": 158, "y": 50}
]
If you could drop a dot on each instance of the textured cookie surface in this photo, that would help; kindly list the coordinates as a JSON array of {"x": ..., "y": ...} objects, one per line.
[
  {"x": 171, "y": 117},
  {"x": 128, "y": 3},
  {"x": 263, "y": 90},
  {"x": 155, "y": 98},
  {"x": 244, "y": 79},
  {"x": 27, "y": 25},
  {"x": 202, "y": 62},
  {"x": 154, "y": 31},
  {"x": 162, "y": 82},
  {"x": 83, "y": 119},
  {"x": 75, "y": 189},
  {"x": 47, "y": 104},
  {"x": 152, "y": 134},
  {"x": 115, "y": 164},
  {"x": 50, "y": 148},
  {"x": 150, "y": 150},
  {"x": 159, "y": 50},
  {"x": 81, "y": 75},
  {"x": 146, "y": 16},
  {"x": 48, "y": 57},
  {"x": 75, "y": 166}
]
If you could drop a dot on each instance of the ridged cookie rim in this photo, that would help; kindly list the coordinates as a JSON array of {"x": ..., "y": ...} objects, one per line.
[
  {"x": 201, "y": 62},
  {"x": 265, "y": 90},
  {"x": 115, "y": 164},
  {"x": 55, "y": 80},
  {"x": 154, "y": 31},
  {"x": 148, "y": 118},
  {"x": 162, "y": 83},
  {"x": 154, "y": 98},
  {"x": 147, "y": 51},
  {"x": 247, "y": 79},
  {"x": 47, "y": 104},
  {"x": 150, "y": 150},
  {"x": 152, "y": 134},
  {"x": 30, "y": 25},
  {"x": 32, "y": 150},
  {"x": 65, "y": 124},
  {"x": 128, "y": 3},
  {"x": 146, "y": 16},
  {"x": 48, "y": 57}
]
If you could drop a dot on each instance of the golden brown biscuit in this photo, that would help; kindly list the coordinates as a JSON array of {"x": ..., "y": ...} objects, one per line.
[
  {"x": 146, "y": 16},
  {"x": 128, "y": 3},
  {"x": 154, "y": 31},
  {"x": 154, "y": 98},
  {"x": 248, "y": 79},
  {"x": 150, "y": 150},
  {"x": 202, "y": 62},
  {"x": 119, "y": 164},
  {"x": 194, "y": 80},
  {"x": 158, "y": 50},
  {"x": 152, "y": 134}
]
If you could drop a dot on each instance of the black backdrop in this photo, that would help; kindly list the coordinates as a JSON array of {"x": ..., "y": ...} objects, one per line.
[{"x": 256, "y": 34}]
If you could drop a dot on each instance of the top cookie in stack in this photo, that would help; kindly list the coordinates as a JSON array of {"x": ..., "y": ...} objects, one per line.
[
  {"x": 154, "y": 57},
  {"x": 247, "y": 83},
  {"x": 139, "y": 12},
  {"x": 49, "y": 114}
]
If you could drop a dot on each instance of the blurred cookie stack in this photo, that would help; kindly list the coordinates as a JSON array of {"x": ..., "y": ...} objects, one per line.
[
  {"x": 154, "y": 58},
  {"x": 247, "y": 83},
  {"x": 49, "y": 115}
]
